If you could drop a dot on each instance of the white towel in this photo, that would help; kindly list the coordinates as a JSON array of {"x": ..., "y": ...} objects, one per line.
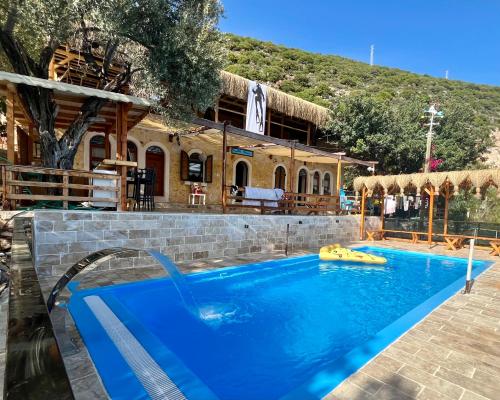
[{"x": 265, "y": 194}]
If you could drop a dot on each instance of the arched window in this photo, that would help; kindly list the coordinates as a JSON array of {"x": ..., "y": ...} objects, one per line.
[
  {"x": 327, "y": 188},
  {"x": 155, "y": 159},
  {"x": 195, "y": 168},
  {"x": 302, "y": 181},
  {"x": 131, "y": 151},
  {"x": 316, "y": 182},
  {"x": 241, "y": 174},
  {"x": 279, "y": 177},
  {"x": 97, "y": 152}
]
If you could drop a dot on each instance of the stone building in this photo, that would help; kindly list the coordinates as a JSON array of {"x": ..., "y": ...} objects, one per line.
[{"x": 192, "y": 154}]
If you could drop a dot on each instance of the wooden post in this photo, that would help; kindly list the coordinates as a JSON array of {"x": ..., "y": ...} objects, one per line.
[
  {"x": 121, "y": 149},
  {"x": 52, "y": 70},
  {"x": 65, "y": 191},
  {"x": 224, "y": 162},
  {"x": 382, "y": 210},
  {"x": 31, "y": 141},
  {"x": 5, "y": 203},
  {"x": 291, "y": 175},
  {"x": 308, "y": 134},
  {"x": 216, "y": 117},
  {"x": 107, "y": 145},
  {"x": 431, "y": 214},
  {"x": 268, "y": 130},
  {"x": 10, "y": 127},
  {"x": 446, "y": 205},
  {"x": 362, "y": 221},
  {"x": 339, "y": 175}
]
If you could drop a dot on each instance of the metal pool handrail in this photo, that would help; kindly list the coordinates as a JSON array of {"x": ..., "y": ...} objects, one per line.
[{"x": 101, "y": 255}]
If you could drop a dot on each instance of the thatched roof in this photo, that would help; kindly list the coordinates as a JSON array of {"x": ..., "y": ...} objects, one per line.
[
  {"x": 237, "y": 86},
  {"x": 476, "y": 179}
]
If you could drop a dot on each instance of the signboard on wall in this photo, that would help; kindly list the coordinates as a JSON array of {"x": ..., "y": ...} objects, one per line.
[
  {"x": 242, "y": 152},
  {"x": 256, "y": 107}
]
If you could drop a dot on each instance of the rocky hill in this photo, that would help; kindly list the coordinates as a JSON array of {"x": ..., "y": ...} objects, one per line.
[{"x": 322, "y": 78}]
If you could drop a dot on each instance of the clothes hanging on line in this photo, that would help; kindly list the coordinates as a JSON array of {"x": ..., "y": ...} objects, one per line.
[{"x": 390, "y": 205}]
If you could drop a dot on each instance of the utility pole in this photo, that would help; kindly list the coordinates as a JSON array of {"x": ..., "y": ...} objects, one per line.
[
  {"x": 372, "y": 54},
  {"x": 434, "y": 114}
]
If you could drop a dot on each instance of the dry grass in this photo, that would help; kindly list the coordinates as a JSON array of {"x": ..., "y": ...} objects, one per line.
[{"x": 478, "y": 179}]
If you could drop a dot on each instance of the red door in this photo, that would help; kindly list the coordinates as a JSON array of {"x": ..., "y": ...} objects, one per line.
[{"x": 155, "y": 159}]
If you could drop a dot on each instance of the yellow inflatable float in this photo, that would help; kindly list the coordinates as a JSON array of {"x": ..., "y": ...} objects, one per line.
[{"x": 335, "y": 252}]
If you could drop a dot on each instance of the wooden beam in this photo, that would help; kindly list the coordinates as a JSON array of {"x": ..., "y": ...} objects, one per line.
[
  {"x": 308, "y": 134},
  {"x": 292, "y": 168},
  {"x": 382, "y": 210},
  {"x": 282, "y": 142},
  {"x": 362, "y": 221},
  {"x": 446, "y": 207},
  {"x": 11, "y": 104},
  {"x": 216, "y": 117},
  {"x": 339, "y": 175},
  {"x": 52, "y": 70},
  {"x": 31, "y": 142},
  {"x": 121, "y": 153},
  {"x": 224, "y": 162},
  {"x": 107, "y": 144},
  {"x": 431, "y": 214},
  {"x": 268, "y": 130}
]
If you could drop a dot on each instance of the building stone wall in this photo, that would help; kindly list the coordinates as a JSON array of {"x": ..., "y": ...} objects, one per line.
[
  {"x": 62, "y": 238},
  {"x": 177, "y": 191}
]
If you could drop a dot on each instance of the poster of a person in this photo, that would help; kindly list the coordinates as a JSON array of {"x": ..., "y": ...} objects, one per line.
[{"x": 256, "y": 107}]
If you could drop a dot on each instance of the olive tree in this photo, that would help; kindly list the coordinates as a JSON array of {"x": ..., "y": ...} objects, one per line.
[{"x": 171, "y": 51}]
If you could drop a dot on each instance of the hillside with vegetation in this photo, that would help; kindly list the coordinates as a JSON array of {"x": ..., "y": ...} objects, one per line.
[{"x": 324, "y": 79}]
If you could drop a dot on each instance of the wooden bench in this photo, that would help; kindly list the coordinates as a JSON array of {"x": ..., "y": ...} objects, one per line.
[
  {"x": 379, "y": 234},
  {"x": 455, "y": 242}
]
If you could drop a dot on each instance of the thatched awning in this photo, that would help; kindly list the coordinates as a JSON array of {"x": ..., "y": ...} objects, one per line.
[
  {"x": 474, "y": 178},
  {"x": 237, "y": 86}
]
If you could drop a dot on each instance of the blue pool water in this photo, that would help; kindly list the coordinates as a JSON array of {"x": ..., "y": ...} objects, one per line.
[{"x": 291, "y": 328}]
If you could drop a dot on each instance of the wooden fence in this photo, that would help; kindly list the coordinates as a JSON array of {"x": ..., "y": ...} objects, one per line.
[
  {"x": 294, "y": 203},
  {"x": 26, "y": 184}
]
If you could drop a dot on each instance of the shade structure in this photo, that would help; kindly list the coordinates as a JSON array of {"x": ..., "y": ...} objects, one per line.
[
  {"x": 475, "y": 178},
  {"x": 70, "y": 98},
  {"x": 271, "y": 145}
]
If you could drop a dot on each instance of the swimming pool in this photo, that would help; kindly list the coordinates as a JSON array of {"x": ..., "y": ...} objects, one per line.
[{"x": 285, "y": 329}]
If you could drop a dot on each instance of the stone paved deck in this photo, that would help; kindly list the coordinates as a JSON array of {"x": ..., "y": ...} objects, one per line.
[{"x": 454, "y": 353}]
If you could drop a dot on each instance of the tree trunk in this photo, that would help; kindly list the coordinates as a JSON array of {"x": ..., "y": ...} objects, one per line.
[
  {"x": 39, "y": 102},
  {"x": 70, "y": 141}
]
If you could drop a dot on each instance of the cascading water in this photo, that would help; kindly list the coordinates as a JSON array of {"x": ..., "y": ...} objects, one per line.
[
  {"x": 213, "y": 313},
  {"x": 178, "y": 280}
]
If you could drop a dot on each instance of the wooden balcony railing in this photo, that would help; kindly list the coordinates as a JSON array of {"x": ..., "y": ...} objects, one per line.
[
  {"x": 26, "y": 184},
  {"x": 295, "y": 203}
]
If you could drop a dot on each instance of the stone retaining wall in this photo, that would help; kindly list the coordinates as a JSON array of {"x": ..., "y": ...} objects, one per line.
[{"x": 62, "y": 238}]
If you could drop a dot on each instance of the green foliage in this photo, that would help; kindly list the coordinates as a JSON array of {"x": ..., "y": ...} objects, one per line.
[
  {"x": 466, "y": 205},
  {"x": 250, "y": 58},
  {"x": 392, "y": 132},
  {"x": 174, "y": 47}
]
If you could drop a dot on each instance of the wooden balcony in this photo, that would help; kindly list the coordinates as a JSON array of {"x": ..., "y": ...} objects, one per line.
[{"x": 27, "y": 186}]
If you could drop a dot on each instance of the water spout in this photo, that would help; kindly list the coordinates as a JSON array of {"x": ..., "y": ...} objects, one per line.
[{"x": 178, "y": 280}]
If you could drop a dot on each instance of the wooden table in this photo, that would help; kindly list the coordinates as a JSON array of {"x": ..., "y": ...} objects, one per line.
[
  {"x": 454, "y": 242},
  {"x": 495, "y": 246}
]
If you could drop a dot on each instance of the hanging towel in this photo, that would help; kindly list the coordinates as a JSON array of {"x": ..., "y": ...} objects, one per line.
[
  {"x": 265, "y": 194},
  {"x": 389, "y": 205},
  {"x": 406, "y": 203}
]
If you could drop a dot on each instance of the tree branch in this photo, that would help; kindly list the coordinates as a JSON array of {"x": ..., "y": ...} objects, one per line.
[{"x": 11, "y": 18}]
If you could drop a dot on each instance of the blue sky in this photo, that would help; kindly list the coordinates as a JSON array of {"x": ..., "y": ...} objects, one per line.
[{"x": 426, "y": 37}]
